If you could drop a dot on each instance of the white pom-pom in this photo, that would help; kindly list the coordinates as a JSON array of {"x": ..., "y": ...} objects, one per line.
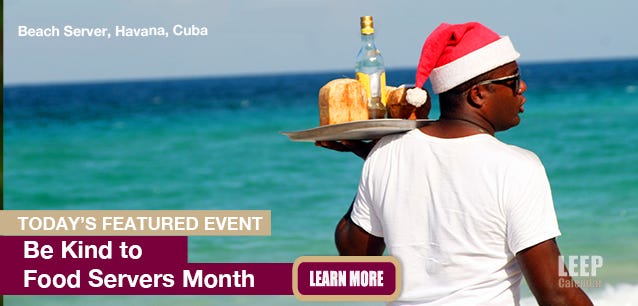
[{"x": 416, "y": 96}]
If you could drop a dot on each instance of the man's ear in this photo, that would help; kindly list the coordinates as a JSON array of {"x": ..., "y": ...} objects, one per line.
[{"x": 476, "y": 96}]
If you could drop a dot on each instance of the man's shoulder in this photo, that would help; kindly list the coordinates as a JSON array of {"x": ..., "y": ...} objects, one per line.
[
  {"x": 516, "y": 158},
  {"x": 482, "y": 145},
  {"x": 516, "y": 151},
  {"x": 522, "y": 154},
  {"x": 393, "y": 139}
]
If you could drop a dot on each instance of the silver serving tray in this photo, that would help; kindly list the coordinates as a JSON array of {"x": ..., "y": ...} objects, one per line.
[{"x": 357, "y": 130}]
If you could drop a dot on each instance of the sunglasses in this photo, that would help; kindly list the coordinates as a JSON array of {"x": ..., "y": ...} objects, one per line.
[{"x": 516, "y": 86}]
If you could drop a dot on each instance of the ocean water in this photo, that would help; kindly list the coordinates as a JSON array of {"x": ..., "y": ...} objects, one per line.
[{"x": 216, "y": 144}]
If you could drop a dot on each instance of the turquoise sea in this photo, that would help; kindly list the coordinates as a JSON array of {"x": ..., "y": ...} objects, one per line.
[{"x": 215, "y": 143}]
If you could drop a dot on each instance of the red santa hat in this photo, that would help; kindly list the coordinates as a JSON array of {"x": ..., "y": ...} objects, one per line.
[{"x": 456, "y": 53}]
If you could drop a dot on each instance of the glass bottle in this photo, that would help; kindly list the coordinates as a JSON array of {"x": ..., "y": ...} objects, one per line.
[{"x": 370, "y": 70}]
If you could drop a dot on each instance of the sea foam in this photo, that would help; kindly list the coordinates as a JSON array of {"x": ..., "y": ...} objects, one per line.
[{"x": 610, "y": 295}]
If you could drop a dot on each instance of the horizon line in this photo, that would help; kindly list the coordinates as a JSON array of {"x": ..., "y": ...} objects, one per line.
[{"x": 267, "y": 74}]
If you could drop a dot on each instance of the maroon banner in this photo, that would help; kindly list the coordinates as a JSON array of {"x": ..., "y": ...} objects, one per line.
[{"x": 127, "y": 265}]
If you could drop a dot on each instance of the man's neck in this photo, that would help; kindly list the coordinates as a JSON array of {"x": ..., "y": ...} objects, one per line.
[{"x": 458, "y": 125}]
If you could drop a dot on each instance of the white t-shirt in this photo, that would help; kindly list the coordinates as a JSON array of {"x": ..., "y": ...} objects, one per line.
[{"x": 455, "y": 212}]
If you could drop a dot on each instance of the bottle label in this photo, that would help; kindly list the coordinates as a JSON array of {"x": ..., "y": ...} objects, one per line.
[{"x": 374, "y": 85}]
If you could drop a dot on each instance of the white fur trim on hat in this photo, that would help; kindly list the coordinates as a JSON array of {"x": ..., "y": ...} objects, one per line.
[
  {"x": 416, "y": 96},
  {"x": 475, "y": 63}
]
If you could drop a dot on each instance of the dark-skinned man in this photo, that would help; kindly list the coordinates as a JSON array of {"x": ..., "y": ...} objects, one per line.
[{"x": 466, "y": 215}]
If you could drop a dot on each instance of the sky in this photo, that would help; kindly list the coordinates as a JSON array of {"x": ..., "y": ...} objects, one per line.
[{"x": 246, "y": 37}]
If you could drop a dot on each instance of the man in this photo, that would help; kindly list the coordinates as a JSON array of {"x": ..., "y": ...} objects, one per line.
[{"x": 464, "y": 213}]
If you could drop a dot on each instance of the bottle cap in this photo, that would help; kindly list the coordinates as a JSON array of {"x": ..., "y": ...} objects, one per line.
[{"x": 367, "y": 26}]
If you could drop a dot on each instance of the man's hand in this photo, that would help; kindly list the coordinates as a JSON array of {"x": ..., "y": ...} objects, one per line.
[{"x": 360, "y": 148}]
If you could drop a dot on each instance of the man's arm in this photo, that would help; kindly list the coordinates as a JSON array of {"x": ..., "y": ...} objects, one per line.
[
  {"x": 539, "y": 264},
  {"x": 352, "y": 240}
]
